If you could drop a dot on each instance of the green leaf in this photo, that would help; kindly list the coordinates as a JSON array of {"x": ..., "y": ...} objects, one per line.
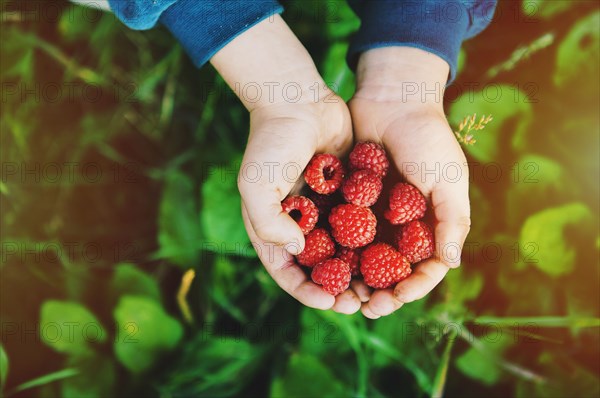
[
  {"x": 512, "y": 115},
  {"x": 22, "y": 68},
  {"x": 129, "y": 280},
  {"x": 3, "y": 367},
  {"x": 536, "y": 177},
  {"x": 462, "y": 286},
  {"x": 70, "y": 328},
  {"x": 342, "y": 20},
  {"x": 545, "y": 230},
  {"x": 179, "y": 233},
  {"x": 221, "y": 215},
  {"x": 306, "y": 376},
  {"x": 480, "y": 362},
  {"x": 17, "y": 59},
  {"x": 336, "y": 72},
  {"x": 73, "y": 24},
  {"x": 577, "y": 59},
  {"x": 459, "y": 286},
  {"x": 478, "y": 366},
  {"x": 145, "y": 332}
]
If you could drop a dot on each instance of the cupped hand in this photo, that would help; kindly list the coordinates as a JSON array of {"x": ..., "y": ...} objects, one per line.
[
  {"x": 392, "y": 107},
  {"x": 293, "y": 115},
  {"x": 282, "y": 140}
]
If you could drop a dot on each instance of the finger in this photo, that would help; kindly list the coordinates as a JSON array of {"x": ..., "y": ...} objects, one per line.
[
  {"x": 453, "y": 222},
  {"x": 346, "y": 302},
  {"x": 286, "y": 273},
  {"x": 271, "y": 224},
  {"x": 367, "y": 312},
  {"x": 383, "y": 302},
  {"x": 363, "y": 292},
  {"x": 422, "y": 281},
  {"x": 273, "y": 162}
]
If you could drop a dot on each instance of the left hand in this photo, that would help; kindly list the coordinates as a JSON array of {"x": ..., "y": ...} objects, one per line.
[
  {"x": 287, "y": 127},
  {"x": 391, "y": 107}
]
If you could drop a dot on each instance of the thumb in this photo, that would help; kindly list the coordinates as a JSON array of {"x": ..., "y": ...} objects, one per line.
[
  {"x": 273, "y": 162},
  {"x": 452, "y": 212}
]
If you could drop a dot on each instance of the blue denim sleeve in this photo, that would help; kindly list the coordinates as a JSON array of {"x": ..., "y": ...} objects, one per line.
[
  {"x": 202, "y": 27},
  {"x": 435, "y": 26}
]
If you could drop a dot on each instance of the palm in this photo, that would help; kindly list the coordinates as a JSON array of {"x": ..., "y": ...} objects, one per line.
[
  {"x": 284, "y": 139},
  {"x": 423, "y": 149}
]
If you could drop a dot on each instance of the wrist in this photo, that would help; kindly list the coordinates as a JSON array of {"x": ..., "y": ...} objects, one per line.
[
  {"x": 401, "y": 74},
  {"x": 267, "y": 65}
]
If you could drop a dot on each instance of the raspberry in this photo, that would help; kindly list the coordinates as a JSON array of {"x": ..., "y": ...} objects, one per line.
[
  {"x": 325, "y": 203},
  {"x": 362, "y": 188},
  {"x": 333, "y": 274},
  {"x": 382, "y": 266},
  {"x": 352, "y": 226},
  {"x": 350, "y": 257},
  {"x": 415, "y": 241},
  {"x": 406, "y": 204},
  {"x": 369, "y": 156},
  {"x": 318, "y": 247},
  {"x": 324, "y": 173},
  {"x": 309, "y": 215}
]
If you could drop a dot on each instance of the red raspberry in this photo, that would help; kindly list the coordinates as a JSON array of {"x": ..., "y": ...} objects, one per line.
[
  {"x": 303, "y": 211},
  {"x": 350, "y": 257},
  {"x": 415, "y": 241},
  {"x": 352, "y": 226},
  {"x": 369, "y": 156},
  {"x": 325, "y": 203},
  {"x": 324, "y": 173},
  {"x": 406, "y": 204},
  {"x": 333, "y": 274},
  {"x": 382, "y": 266},
  {"x": 318, "y": 247},
  {"x": 362, "y": 188}
]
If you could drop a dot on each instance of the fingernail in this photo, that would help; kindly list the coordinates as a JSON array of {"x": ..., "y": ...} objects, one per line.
[
  {"x": 450, "y": 255},
  {"x": 452, "y": 262},
  {"x": 369, "y": 314}
]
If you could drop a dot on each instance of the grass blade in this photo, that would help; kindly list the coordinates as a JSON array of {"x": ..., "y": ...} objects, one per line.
[
  {"x": 439, "y": 382},
  {"x": 45, "y": 379},
  {"x": 540, "y": 321}
]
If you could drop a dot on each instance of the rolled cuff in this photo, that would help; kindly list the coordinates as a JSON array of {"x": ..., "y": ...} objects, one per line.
[
  {"x": 433, "y": 26},
  {"x": 204, "y": 27}
]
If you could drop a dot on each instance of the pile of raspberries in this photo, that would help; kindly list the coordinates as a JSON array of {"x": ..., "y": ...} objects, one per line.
[{"x": 348, "y": 232}]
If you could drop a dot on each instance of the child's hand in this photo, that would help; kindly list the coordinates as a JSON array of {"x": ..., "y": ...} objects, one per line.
[
  {"x": 392, "y": 107},
  {"x": 294, "y": 117},
  {"x": 287, "y": 137}
]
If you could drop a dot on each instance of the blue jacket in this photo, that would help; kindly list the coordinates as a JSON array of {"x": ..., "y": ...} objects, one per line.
[{"x": 203, "y": 27}]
